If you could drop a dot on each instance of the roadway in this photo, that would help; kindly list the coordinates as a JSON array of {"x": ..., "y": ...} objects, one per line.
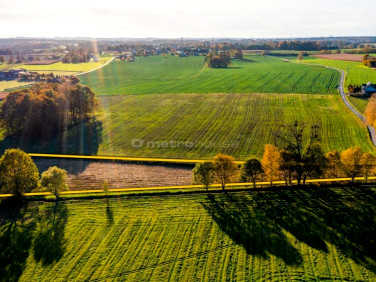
[{"x": 341, "y": 87}]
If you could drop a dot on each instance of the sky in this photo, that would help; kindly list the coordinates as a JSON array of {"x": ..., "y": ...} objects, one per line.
[{"x": 194, "y": 18}]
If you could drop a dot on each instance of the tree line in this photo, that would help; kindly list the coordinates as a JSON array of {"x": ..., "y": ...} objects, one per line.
[
  {"x": 46, "y": 108},
  {"x": 295, "y": 157}
]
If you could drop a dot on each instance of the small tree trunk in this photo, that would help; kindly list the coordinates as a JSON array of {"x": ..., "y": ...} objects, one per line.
[
  {"x": 299, "y": 179},
  {"x": 254, "y": 184}
]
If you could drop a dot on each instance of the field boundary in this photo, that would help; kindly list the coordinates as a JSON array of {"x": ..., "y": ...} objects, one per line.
[
  {"x": 229, "y": 186},
  {"x": 118, "y": 158}
]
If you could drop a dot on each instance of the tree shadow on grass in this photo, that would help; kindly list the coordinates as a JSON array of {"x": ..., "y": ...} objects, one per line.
[
  {"x": 82, "y": 139},
  {"x": 109, "y": 214},
  {"x": 16, "y": 234},
  {"x": 343, "y": 218},
  {"x": 248, "y": 60},
  {"x": 49, "y": 242},
  {"x": 251, "y": 228}
]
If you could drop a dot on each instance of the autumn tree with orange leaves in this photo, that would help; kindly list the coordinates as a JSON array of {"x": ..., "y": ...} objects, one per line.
[
  {"x": 351, "y": 160},
  {"x": 270, "y": 162},
  {"x": 225, "y": 169}
]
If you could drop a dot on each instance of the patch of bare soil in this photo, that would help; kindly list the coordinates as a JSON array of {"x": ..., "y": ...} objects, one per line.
[
  {"x": 86, "y": 174},
  {"x": 342, "y": 57}
]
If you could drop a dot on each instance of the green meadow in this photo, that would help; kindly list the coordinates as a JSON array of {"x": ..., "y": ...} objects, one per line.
[
  {"x": 65, "y": 69},
  {"x": 202, "y": 125},
  {"x": 359, "y": 103},
  {"x": 202, "y": 119},
  {"x": 309, "y": 235},
  {"x": 356, "y": 73},
  {"x": 170, "y": 74}
]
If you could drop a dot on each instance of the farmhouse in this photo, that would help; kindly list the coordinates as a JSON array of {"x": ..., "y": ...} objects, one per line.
[
  {"x": 12, "y": 74},
  {"x": 368, "y": 89}
]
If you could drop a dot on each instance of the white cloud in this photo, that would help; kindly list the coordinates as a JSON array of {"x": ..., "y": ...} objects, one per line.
[{"x": 167, "y": 18}]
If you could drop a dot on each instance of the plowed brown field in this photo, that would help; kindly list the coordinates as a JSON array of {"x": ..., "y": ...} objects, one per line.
[
  {"x": 341, "y": 57},
  {"x": 84, "y": 174}
]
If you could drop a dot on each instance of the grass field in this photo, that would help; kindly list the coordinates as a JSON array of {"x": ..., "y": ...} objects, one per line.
[
  {"x": 201, "y": 125},
  {"x": 10, "y": 84},
  {"x": 356, "y": 73},
  {"x": 158, "y": 74},
  {"x": 323, "y": 235},
  {"x": 61, "y": 68},
  {"x": 5, "y": 66},
  {"x": 359, "y": 103}
]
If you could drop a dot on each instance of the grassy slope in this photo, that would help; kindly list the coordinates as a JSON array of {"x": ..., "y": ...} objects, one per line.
[
  {"x": 356, "y": 73},
  {"x": 302, "y": 235},
  {"x": 222, "y": 119},
  {"x": 186, "y": 75},
  {"x": 249, "y": 119}
]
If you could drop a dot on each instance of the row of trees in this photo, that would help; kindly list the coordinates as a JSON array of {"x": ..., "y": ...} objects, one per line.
[
  {"x": 365, "y": 50},
  {"x": 19, "y": 175},
  {"x": 39, "y": 77},
  {"x": 76, "y": 57},
  {"x": 46, "y": 108},
  {"x": 12, "y": 60},
  {"x": 295, "y": 45},
  {"x": 279, "y": 165},
  {"x": 221, "y": 60},
  {"x": 292, "y": 158}
]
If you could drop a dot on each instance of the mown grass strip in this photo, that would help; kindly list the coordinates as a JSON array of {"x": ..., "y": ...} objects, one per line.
[{"x": 200, "y": 187}]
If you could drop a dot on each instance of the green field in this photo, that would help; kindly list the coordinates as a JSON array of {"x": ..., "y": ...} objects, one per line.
[
  {"x": 236, "y": 124},
  {"x": 357, "y": 74},
  {"x": 57, "y": 68},
  {"x": 159, "y": 74},
  {"x": 359, "y": 103},
  {"x": 5, "y": 66},
  {"x": 312, "y": 235},
  {"x": 61, "y": 68},
  {"x": 6, "y": 85}
]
